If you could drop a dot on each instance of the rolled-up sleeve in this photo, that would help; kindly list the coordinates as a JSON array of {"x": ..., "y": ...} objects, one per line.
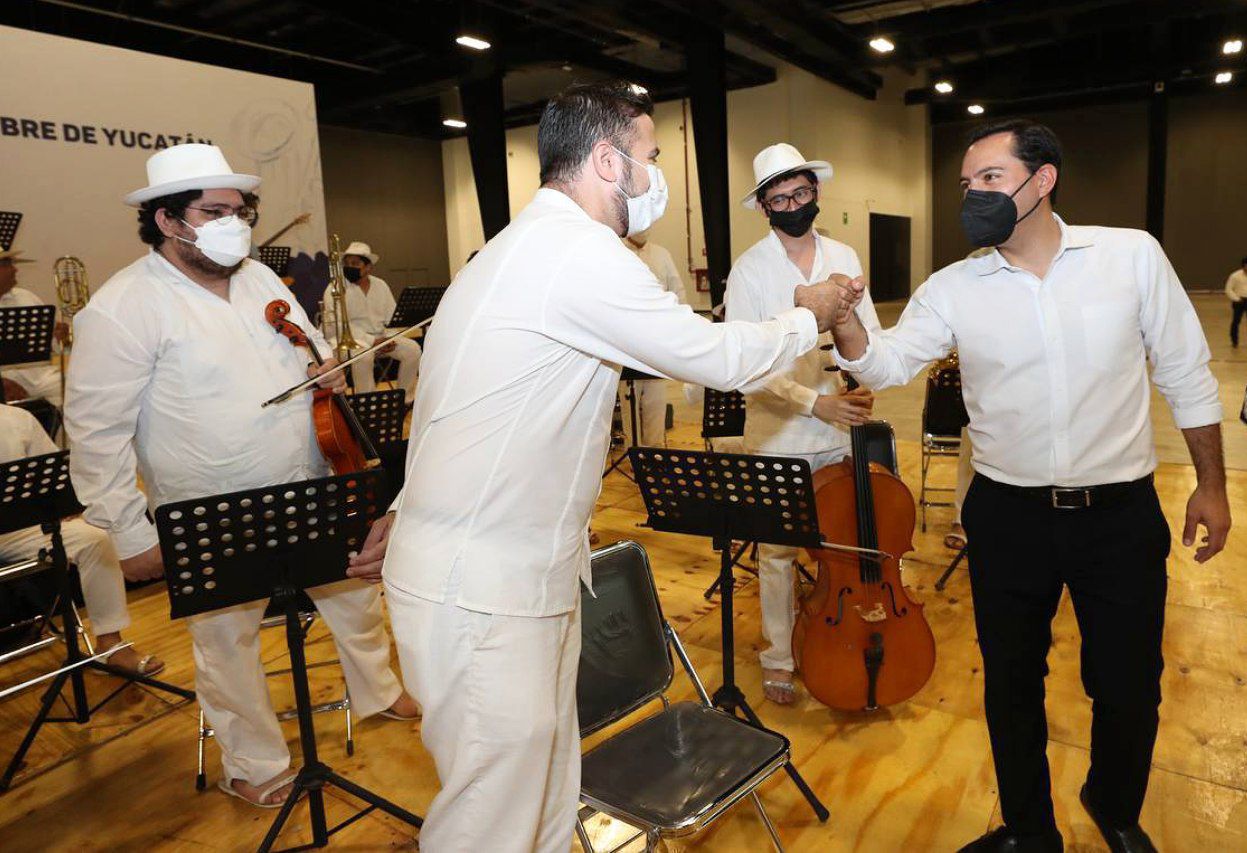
[
  {"x": 608, "y": 304},
  {"x": 896, "y": 355},
  {"x": 1175, "y": 343},
  {"x": 107, "y": 376}
]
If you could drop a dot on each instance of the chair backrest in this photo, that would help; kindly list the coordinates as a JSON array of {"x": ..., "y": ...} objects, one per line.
[
  {"x": 944, "y": 412},
  {"x": 624, "y": 658}
]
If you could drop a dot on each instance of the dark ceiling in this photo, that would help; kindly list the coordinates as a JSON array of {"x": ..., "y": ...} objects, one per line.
[{"x": 393, "y": 65}]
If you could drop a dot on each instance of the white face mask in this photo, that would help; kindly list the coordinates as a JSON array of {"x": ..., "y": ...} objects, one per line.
[
  {"x": 646, "y": 209},
  {"x": 225, "y": 241}
]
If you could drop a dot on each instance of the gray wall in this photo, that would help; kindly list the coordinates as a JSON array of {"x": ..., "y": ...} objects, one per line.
[
  {"x": 1206, "y": 187},
  {"x": 387, "y": 191}
]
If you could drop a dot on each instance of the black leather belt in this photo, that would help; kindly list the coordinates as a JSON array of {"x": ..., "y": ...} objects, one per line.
[{"x": 1064, "y": 497}]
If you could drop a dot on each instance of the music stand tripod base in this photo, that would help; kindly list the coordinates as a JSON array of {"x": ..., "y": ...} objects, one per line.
[
  {"x": 726, "y": 496},
  {"x": 272, "y": 542}
]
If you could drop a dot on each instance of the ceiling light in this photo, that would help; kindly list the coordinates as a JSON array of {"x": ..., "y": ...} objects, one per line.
[
  {"x": 975, "y": 109},
  {"x": 1224, "y": 77},
  {"x": 473, "y": 42},
  {"x": 1232, "y": 46},
  {"x": 944, "y": 87},
  {"x": 882, "y": 45},
  {"x": 456, "y": 123}
]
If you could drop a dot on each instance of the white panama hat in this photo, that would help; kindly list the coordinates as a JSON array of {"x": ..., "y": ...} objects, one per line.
[
  {"x": 191, "y": 166},
  {"x": 779, "y": 159},
  {"x": 361, "y": 249}
]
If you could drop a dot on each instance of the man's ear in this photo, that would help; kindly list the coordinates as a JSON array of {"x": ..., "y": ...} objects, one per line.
[
  {"x": 605, "y": 161},
  {"x": 1047, "y": 178},
  {"x": 167, "y": 224}
]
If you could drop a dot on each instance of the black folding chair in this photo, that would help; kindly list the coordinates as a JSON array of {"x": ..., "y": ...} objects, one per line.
[
  {"x": 943, "y": 416},
  {"x": 676, "y": 772}
]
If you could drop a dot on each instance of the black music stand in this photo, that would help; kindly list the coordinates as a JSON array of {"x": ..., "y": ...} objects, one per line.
[
  {"x": 36, "y": 491},
  {"x": 631, "y": 377},
  {"x": 382, "y": 413},
  {"x": 9, "y": 221},
  {"x": 722, "y": 414},
  {"x": 415, "y": 304},
  {"x": 26, "y": 335},
  {"x": 276, "y": 258},
  {"x": 272, "y": 542},
  {"x": 728, "y": 496}
]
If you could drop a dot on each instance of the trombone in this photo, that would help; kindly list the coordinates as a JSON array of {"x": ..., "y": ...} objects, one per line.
[
  {"x": 340, "y": 333},
  {"x": 72, "y": 292}
]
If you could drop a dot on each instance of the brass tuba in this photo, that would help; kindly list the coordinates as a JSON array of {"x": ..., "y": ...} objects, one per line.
[
  {"x": 72, "y": 293},
  {"x": 336, "y": 324}
]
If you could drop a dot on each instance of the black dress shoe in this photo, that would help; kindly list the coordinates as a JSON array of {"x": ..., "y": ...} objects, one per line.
[
  {"x": 1004, "y": 840},
  {"x": 1129, "y": 839}
]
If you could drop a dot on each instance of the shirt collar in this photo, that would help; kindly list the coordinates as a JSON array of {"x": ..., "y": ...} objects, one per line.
[
  {"x": 988, "y": 261},
  {"x": 557, "y": 198}
]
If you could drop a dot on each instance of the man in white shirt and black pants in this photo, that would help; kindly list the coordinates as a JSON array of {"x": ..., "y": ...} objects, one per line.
[
  {"x": 369, "y": 307},
  {"x": 804, "y": 409},
  {"x": 1236, "y": 290},
  {"x": 1055, "y": 325},
  {"x": 509, "y": 433}
]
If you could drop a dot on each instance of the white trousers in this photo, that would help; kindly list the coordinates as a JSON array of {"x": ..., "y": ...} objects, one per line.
[
  {"x": 103, "y": 587},
  {"x": 965, "y": 473},
  {"x": 42, "y": 381},
  {"x": 499, "y": 699},
  {"x": 777, "y": 583},
  {"x": 233, "y": 690},
  {"x": 651, "y": 412},
  {"x": 407, "y": 352}
]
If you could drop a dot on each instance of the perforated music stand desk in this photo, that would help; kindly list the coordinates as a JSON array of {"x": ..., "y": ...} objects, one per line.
[
  {"x": 414, "y": 305},
  {"x": 36, "y": 492},
  {"x": 276, "y": 258},
  {"x": 26, "y": 335},
  {"x": 9, "y": 221},
  {"x": 229, "y": 549},
  {"x": 728, "y": 496},
  {"x": 382, "y": 413},
  {"x": 722, "y": 414}
]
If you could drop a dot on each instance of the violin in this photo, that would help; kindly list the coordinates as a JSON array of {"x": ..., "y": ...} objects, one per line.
[
  {"x": 860, "y": 641},
  {"x": 339, "y": 433}
]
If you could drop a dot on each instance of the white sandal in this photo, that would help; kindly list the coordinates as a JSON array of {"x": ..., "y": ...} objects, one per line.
[
  {"x": 143, "y": 662},
  {"x": 226, "y": 785}
]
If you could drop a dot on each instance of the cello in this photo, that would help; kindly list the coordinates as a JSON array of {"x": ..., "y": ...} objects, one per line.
[
  {"x": 860, "y": 641},
  {"x": 339, "y": 433}
]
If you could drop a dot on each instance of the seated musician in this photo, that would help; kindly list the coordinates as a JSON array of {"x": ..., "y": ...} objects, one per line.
[
  {"x": 27, "y": 382},
  {"x": 803, "y": 411},
  {"x": 173, "y": 357},
  {"x": 88, "y": 547},
  {"x": 369, "y": 306}
]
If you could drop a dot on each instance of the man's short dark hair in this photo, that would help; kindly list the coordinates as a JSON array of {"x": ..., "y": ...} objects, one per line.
[
  {"x": 1033, "y": 143},
  {"x": 785, "y": 176},
  {"x": 581, "y": 115},
  {"x": 175, "y": 204}
]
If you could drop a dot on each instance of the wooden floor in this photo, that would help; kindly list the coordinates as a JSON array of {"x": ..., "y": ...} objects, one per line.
[{"x": 913, "y": 777}]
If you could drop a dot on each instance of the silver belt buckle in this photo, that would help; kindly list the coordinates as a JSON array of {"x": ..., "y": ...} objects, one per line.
[{"x": 1082, "y": 498}]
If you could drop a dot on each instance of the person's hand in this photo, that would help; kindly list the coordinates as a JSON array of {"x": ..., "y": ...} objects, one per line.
[
  {"x": 146, "y": 566},
  {"x": 12, "y": 391},
  {"x": 60, "y": 332},
  {"x": 853, "y": 290},
  {"x": 1211, "y": 508},
  {"x": 846, "y": 409},
  {"x": 335, "y": 383},
  {"x": 826, "y": 300},
  {"x": 366, "y": 565}
]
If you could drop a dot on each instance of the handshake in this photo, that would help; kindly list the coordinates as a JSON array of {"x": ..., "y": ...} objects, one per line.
[{"x": 832, "y": 301}]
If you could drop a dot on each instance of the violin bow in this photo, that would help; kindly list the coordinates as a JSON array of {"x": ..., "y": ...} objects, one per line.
[{"x": 308, "y": 383}]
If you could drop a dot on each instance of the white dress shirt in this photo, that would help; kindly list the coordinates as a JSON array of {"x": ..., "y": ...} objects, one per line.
[
  {"x": 1236, "y": 286},
  {"x": 370, "y": 312},
  {"x": 1054, "y": 371},
  {"x": 779, "y": 418},
  {"x": 171, "y": 376},
  {"x": 662, "y": 265},
  {"x": 512, "y": 422},
  {"x": 21, "y": 435}
]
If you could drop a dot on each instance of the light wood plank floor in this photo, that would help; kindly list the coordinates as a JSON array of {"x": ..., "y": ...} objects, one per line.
[{"x": 913, "y": 777}]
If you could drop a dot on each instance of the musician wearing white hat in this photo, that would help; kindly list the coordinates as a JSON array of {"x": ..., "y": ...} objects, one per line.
[
  {"x": 369, "y": 306},
  {"x": 172, "y": 358},
  {"x": 22, "y": 382},
  {"x": 804, "y": 410}
]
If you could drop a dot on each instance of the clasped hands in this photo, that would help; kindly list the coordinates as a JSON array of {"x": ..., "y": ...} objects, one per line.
[{"x": 832, "y": 301}]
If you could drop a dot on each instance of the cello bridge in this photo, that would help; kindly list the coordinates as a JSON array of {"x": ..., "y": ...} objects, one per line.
[{"x": 874, "y": 614}]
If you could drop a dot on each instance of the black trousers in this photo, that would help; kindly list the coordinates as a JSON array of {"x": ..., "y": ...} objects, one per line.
[
  {"x": 1240, "y": 310},
  {"x": 1112, "y": 557}
]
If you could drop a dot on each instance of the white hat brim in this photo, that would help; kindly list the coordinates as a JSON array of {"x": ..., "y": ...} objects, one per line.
[
  {"x": 243, "y": 183},
  {"x": 820, "y": 168}
]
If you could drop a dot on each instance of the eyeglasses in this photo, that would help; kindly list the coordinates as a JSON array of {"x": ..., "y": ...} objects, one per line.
[
  {"x": 783, "y": 201},
  {"x": 247, "y": 214}
]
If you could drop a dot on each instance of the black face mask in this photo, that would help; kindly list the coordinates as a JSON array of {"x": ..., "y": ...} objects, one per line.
[
  {"x": 353, "y": 274},
  {"x": 988, "y": 217},
  {"x": 794, "y": 223}
]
